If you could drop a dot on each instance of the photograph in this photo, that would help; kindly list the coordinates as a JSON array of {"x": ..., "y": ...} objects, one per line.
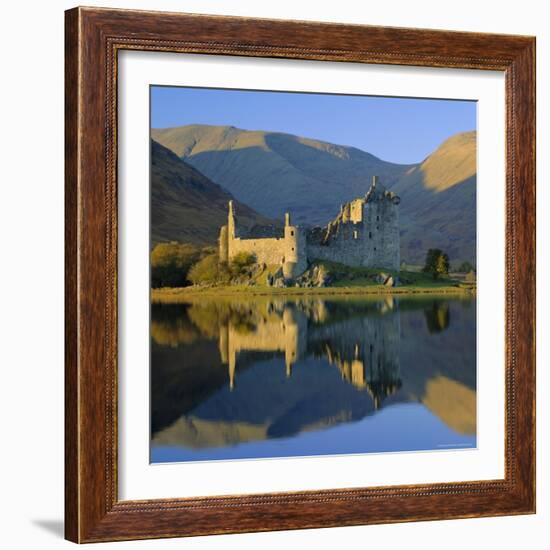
[{"x": 312, "y": 274}]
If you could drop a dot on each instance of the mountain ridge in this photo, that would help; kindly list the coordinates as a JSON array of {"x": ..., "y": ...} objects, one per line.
[{"x": 274, "y": 172}]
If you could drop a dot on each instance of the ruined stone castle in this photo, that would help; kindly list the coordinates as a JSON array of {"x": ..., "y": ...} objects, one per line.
[{"x": 364, "y": 234}]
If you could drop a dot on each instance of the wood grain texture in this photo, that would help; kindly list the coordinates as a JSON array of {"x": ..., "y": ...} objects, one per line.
[
  {"x": 93, "y": 38},
  {"x": 71, "y": 270}
]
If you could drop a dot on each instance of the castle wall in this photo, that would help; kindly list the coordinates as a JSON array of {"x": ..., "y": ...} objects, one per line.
[
  {"x": 374, "y": 242},
  {"x": 270, "y": 251},
  {"x": 288, "y": 252},
  {"x": 356, "y": 211}
]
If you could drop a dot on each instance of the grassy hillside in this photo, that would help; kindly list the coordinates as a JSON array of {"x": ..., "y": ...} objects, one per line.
[
  {"x": 274, "y": 172},
  {"x": 438, "y": 202},
  {"x": 186, "y": 206},
  {"x": 452, "y": 163}
]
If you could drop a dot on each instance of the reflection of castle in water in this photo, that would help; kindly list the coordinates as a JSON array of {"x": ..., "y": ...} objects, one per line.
[
  {"x": 364, "y": 348},
  {"x": 343, "y": 359},
  {"x": 280, "y": 331}
]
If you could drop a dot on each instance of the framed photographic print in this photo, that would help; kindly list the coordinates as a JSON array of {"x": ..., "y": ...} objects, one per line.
[{"x": 300, "y": 275}]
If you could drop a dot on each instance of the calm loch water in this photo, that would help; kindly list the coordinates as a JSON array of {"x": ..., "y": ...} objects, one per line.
[{"x": 272, "y": 376}]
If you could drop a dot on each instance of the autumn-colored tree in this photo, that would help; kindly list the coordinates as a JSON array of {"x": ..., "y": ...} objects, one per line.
[
  {"x": 240, "y": 261},
  {"x": 205, "y": 271},
  {"x": 437, "y": 263},
  {"x": 170, "y": 263}
]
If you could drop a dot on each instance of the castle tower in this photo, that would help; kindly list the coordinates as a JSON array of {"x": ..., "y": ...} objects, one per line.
[
  {"x": 381, "y": 227},
  {"x": 223, "y": 244},
  {"x": 227, "y": 234},
  {"x": 295, "y": 250},
  {"x": 231, "y": 224}
]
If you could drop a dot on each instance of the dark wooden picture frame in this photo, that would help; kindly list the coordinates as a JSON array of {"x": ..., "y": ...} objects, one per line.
[{"x": 93, "y": 511}]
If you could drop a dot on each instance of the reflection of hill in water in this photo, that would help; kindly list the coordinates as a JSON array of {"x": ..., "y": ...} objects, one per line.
[
  {"x": 276, "y": 407},
  {"x": 226, "y": 372}
]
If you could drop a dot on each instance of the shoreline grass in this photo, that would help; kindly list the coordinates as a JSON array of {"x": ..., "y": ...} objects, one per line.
[{"x": 175, "y": 295}]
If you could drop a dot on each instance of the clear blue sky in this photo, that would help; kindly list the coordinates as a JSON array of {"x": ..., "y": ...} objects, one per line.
[{"x": 401, "y": 130}]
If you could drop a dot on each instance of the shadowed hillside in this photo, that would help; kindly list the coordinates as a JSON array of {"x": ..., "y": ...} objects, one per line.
[
  {"x": 274, "y": 173},
  {"x": 185, "y": 205}
]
